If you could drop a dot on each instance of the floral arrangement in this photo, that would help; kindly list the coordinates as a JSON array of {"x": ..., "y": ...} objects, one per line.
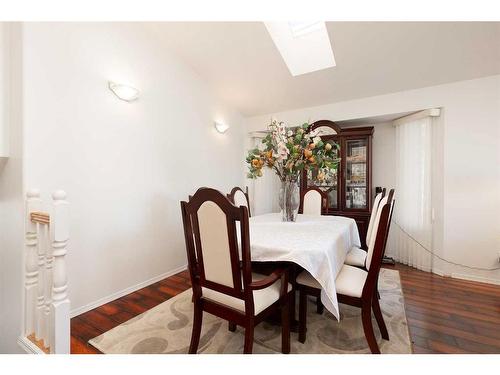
[{"x": 289, "y": 150}]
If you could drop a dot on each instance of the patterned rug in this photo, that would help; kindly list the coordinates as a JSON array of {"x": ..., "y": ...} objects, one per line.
[{"x": 166, "y": 328}]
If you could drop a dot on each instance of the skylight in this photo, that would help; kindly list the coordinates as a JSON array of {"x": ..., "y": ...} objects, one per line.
[
  {"x": 300, "y": 28},
  {"x": 304, "y": 46}
]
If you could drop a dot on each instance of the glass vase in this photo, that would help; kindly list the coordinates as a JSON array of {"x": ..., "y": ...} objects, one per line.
[{"x": 289, "y": 198}]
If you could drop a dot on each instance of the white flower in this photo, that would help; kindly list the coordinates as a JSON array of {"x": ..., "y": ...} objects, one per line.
[
  {"x": 316, "y": 140},
  {"x": 282, "y": 152},
  {"x": 290, "y": 133}
]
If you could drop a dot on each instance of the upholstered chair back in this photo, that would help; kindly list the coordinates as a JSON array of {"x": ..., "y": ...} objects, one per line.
[
  {"x": 376, "y": 203},
  {"x": 313, "y": 201},
  {"x": 212, "y": 223},
  {"x": 376, "y": 247},
  {"x": 376, "y": 227}
]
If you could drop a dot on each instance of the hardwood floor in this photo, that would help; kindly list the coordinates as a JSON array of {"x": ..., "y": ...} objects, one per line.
[
  {"x": 97, "y": 321},
  {"x": 449, "y": 315},
  {"x": 444, "y": 315}
]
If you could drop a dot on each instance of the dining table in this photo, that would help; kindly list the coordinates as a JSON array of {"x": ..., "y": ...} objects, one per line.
[{"x": 317, "y": 243}]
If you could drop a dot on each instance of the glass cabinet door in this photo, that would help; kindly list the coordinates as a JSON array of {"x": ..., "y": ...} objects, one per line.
[{"x": 356, "y": 181}]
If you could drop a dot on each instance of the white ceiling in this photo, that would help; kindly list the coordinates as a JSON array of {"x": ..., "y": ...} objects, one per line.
[{"x": 240, "y": 61}]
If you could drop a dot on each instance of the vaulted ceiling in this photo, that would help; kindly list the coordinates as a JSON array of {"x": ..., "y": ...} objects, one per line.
[{"x": 241, "y": 63}]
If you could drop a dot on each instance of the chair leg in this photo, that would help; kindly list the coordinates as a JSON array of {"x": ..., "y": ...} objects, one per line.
[
  {"x": 232, "y": 326},
  {"x": 302, "y": 316},
  {"x": 380, "y": 318},
  {"x": 366, "y": 316},
  {"x": 319, "y": 306},
  {"x": 285, "y": 327},
  {"x": 291, "y": 300},
  {"x": 195, "y": 334},
  {"x": 248, "y": 338}
]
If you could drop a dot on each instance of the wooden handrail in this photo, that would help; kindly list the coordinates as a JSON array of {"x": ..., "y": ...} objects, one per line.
[{"x": 40, "y": 217}]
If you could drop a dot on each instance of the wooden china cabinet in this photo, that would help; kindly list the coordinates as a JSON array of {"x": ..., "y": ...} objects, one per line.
[{"x": 349, "y": 188}]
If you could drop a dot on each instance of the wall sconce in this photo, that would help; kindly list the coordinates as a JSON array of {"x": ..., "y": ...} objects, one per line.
[
  {"x": 124, "y": 92},
  {"x": 220, "y": 127}
]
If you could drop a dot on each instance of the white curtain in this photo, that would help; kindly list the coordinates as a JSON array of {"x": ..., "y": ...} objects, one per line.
[{"x": 411, "y": 228}]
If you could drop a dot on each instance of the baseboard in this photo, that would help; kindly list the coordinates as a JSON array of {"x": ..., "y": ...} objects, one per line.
[
  {"x": 480, "y": 279},
  {"x": 462, "y": 276},
  {"x": 124, "y": 292},
  {"x": 438, "y": 272},
  {"x": 458, "y": 275},
  {"x": 28, "y": 346}
]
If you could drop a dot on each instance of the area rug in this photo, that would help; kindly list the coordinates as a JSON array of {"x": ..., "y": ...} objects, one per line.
[{"x": 166, "y": 329}]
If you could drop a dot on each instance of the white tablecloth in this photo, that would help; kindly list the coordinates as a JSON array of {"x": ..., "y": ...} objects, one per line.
[{"x": 318, "y": 244}]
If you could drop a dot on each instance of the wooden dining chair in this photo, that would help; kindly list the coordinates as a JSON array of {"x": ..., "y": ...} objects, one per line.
[
  {"x": 355, "y": 286},
  {"x": 222, "y": 283},
  {"x": 240, "y": 198},
  {"x": 356, "y": 256},
  {"x": 313, "y": 201},
  {"x": 389, "y": 199}
]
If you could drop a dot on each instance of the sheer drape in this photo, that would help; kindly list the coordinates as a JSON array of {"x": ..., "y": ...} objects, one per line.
[{"x": 412, "y": 225}]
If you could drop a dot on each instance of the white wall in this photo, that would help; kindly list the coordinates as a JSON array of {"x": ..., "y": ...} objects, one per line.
[
  {"x": 11, "y": 202},
  {"x": 125, "y": 166},
  {"x": 468, "y": 225},
  {"x": 4, "y": 92}
]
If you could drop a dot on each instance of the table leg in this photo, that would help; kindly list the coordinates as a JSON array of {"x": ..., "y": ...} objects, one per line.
[{"x": 294, "y": 271}]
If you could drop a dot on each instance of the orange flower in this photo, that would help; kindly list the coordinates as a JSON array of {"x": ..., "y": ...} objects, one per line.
[
  {"x": 256, "y": 163},
  {"x": 307, "y": 153}
]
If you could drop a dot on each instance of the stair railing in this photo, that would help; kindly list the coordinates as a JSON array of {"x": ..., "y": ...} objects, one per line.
[{"x": 46, "y": 302}]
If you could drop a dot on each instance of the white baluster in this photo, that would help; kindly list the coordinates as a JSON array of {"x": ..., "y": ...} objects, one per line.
[
  {"x": 33, "y": 203},
  {"x": 40, "y": 306},
  {"x": 48, "y": 288},
  {"x": 60, "y": 305}
]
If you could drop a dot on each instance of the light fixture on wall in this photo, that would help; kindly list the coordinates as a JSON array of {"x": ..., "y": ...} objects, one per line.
[
  {"x": 220, "y": 127},
  {"x": 124, "y": 92}
]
